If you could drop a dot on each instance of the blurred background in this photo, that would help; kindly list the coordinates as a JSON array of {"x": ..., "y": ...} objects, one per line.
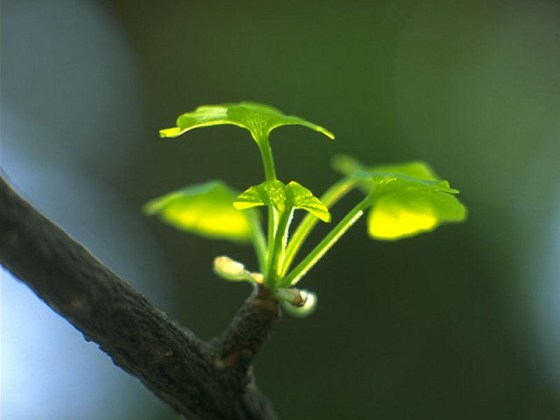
[{"x": 463, "y": 323}]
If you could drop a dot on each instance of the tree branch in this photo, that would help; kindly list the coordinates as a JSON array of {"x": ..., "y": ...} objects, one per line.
[{"x": 211, "y": 380}]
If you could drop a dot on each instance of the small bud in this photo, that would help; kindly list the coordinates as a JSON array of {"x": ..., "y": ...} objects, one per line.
[
  {"x": 229, "y": 269},
  {"x": 257, "y": 278},
  {"x": 308, "y": 307},
  {"x": 291, "y": 296}
]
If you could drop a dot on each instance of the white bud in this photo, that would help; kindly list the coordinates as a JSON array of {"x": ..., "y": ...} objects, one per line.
[{"x": 230, "y": 269}]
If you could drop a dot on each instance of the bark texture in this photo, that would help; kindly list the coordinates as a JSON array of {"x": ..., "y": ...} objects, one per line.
[{"x": 198, "y": 379}]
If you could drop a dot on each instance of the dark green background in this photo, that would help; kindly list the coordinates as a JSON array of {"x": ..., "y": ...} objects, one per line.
[{"x": 436, "y": 327}]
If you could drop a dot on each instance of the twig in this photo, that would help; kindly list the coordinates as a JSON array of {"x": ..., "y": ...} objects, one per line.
[{"x": 212, "y": 381}]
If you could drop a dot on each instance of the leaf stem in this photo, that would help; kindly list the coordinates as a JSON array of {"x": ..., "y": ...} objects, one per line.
[
  {"x": 270, "y": 175},
  {"x": 268, "y": 160},
  {"x": 276, "y": 254},
  {"x": 334, "y": 235},
  {"x": 329, "y": 198},
  {"x": 259, "y": 242}
]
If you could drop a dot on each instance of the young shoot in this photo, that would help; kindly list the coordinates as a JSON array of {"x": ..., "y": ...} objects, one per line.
[{"x": 402, "y": 200}]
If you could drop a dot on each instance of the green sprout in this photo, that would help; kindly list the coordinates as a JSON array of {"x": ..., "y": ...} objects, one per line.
[{"x": 402, "y": 200}]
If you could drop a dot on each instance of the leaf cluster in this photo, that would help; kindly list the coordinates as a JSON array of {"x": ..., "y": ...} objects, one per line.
[{"x": 402, "y": 200}]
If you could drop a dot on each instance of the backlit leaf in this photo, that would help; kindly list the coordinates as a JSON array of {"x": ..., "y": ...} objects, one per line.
[
  {"x": 259, "y": 119},
  {"x": 399, "y": 214},
  {"x": 269, "y": 193},
  {"x": 206, "y": 210},
  {"x": 417, "y": 170},
  {"x": 407, "y": 199},
  {"x": 282, "y": 197},
  {"x": 302, "y": 198}
]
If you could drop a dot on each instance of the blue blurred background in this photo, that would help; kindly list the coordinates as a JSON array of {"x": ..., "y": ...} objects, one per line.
[{"x": 463, "y": 323}]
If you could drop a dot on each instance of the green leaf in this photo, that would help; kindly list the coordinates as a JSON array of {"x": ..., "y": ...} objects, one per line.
[
  {"x": 206, "y": 210},
  {"x": 407, "y": 199},
  {"x": 403, "y": 213},
  {"x": 269, "y": 193},
  {"x": 259, "y": 119},
  {"x": 282, "y": 197},
  {"x": 416, "y": 169},
  {"x": 301, "y": 198}
]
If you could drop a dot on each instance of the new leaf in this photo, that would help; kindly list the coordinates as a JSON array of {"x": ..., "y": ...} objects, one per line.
[
  {"x": 206, "y": 210},
  {"x": 406, "y": 199},
  {"x": 259, "y": 119},
  {"x": 413, "y": 210},
  {"x": 282, "y": 197}
]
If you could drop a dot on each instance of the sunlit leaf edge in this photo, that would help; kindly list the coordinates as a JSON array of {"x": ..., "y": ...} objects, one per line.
[{"x": 260, "y": 119}]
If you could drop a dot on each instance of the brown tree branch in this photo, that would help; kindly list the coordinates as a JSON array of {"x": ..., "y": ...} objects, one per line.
[{"x": 209, "y": 380}]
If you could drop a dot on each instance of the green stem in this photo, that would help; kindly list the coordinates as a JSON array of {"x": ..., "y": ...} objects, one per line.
[
  {"x": 270, "y": 175},
  {"x": 268, "y": 160},
  {"x": 329, "y": 198},
  {"x": 259, "y": 242},
  {"x": 276, "y": 254},
  {"x": 272, "y": 229},
  {"x": 317, "y": 253}
]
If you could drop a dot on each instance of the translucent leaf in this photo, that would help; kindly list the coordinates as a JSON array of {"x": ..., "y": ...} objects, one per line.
[
  {"x": 170, "y": 132},
  {"x": 407, "y": 198},
  {"x": 416, "y": 169},
  {"x": 206, "y": 210},
  {"x": 269, "y": 193},
  {"x": 281, "y": 197},
  {"x": 259, "y": 119},
  {"x": 302, "y": 198},
  {"x": 405, "y": 213}
]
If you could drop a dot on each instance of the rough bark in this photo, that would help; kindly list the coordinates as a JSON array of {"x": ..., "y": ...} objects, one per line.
[{"x": 208, "y": 380}]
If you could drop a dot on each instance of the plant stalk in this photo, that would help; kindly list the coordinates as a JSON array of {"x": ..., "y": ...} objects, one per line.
[
  {"x": 267, "y": 159},
  {"x": 321, "y": 249},
  {"x": 329, "y": 198},
  {"x": 279, "y": 246}
]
